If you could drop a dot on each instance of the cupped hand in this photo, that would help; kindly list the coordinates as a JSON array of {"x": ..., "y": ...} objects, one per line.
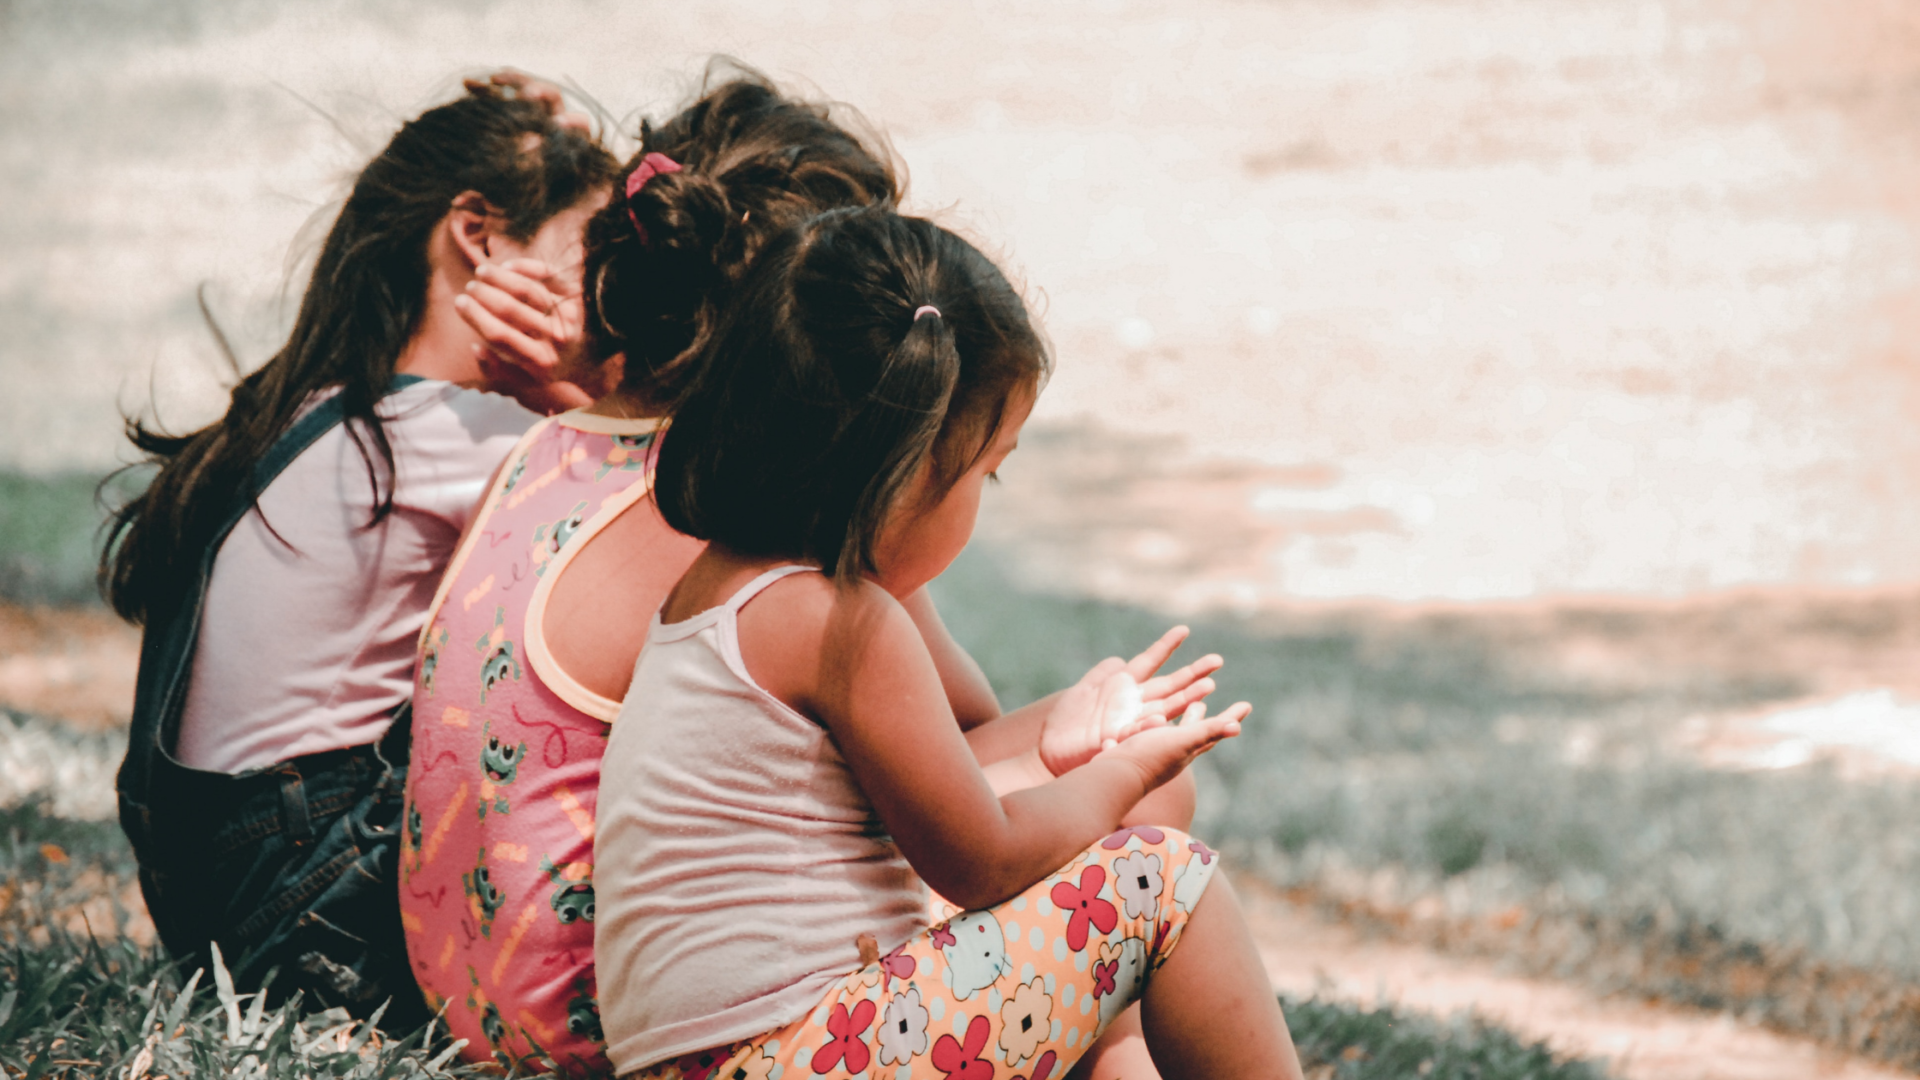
[
  {"x": 1116, "y": 698},
  {"x": 1172, "y": 693},
  {"x": 530, "y": 320},
  {"x": 545, "y": 398},
  {"x": 1161, "y": 749},
  {"x": 1101, "y": 708}
]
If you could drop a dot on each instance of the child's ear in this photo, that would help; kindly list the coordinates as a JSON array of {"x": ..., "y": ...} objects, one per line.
[{"x": 470, "y": 225}]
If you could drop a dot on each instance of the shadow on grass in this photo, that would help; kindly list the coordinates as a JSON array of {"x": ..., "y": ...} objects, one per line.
[{"x": 1440, "y": 763}]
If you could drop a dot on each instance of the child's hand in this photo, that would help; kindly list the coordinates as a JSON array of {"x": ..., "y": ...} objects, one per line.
[
  {"x": 1171, "y": 694},
  {"x": 508, "y": 82},
  {"x": 1160, "y": 749},
  {"x": 533, "y": 323},
  {"x": 1096, "y": 712},
  {"x": 1116, "y": 698}
]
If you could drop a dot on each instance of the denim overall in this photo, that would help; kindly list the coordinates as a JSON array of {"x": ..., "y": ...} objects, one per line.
[{"x": 291, "y": 867}]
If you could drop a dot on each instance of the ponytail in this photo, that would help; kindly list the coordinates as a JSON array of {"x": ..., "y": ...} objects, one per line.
[{"x": 863, "y": 350}]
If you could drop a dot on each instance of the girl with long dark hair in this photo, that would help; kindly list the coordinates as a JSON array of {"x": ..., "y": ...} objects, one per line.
[{"x": 282, "y": 559}]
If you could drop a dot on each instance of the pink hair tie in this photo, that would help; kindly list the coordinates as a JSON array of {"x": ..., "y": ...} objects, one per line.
[
  {"x": 925, "y": 309},
  {"x": 650, "y": 166}
]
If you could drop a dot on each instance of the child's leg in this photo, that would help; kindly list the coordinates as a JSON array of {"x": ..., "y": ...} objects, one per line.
[
  {"x": 1119, "y": 1054},
  {"x": 1210, "y": 1011},
  {"x": 1023, "y": 990},
  {"x": 1121, "y": 1051}
]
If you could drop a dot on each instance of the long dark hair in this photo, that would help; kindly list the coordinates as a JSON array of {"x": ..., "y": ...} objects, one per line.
[
  {"x": 753, "y": 161},
  {"x": 361, "y": 307},
  {"x": 825, "y": 388}
]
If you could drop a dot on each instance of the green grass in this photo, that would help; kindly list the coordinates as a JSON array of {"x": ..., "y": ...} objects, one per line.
[
  {"x": 1340, "y": 1042},
  {"x": 75, "y": 1005},
  {"x": 1402, "y": 761},
  {"x": 50, "y": 534},
  {"x": 79, "y": 1007}
]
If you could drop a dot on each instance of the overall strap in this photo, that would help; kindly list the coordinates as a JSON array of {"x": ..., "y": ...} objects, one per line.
[
  {"x": 167, "y": 645},
  {"x": 303, "y": 433}
]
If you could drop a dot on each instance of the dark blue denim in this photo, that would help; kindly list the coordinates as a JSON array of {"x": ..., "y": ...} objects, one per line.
[
  {"x": 293, "y": 867},
  {"x": 289, "y": 868}
]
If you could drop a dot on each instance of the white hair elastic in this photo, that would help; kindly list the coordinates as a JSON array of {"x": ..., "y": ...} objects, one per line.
[{"x": 925, "y": 309}]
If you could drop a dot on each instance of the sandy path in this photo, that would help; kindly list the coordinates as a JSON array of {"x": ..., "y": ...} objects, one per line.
[{"x": 1307, "y": 955}]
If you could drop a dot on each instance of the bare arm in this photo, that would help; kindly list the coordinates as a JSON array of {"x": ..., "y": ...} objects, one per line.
[
  {"x": 853, "y": 659},
  {"x": 967, "y": 688}
]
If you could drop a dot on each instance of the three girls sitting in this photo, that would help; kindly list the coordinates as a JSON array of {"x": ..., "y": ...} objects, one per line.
[{"x": 509, "y": 771}]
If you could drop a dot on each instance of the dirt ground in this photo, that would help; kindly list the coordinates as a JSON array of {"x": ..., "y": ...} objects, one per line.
[
  {"x": 1305, "y": 955},
  {"x": 78, "y": 665}
]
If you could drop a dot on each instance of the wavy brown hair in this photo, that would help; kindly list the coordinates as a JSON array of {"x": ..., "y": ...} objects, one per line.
[
  {"x": 361, "y": 307},
  {"x": 753, "y": 162}
]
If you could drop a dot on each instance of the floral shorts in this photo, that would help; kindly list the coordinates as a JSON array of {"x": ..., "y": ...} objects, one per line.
[{"x": 1015, "y": 992}]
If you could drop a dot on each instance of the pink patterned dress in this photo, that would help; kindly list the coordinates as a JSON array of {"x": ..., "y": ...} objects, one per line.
[{"x": 496, "y": 889}]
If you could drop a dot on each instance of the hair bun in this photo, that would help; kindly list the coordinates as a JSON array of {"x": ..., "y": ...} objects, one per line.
[{"x": 685, "y": 214}]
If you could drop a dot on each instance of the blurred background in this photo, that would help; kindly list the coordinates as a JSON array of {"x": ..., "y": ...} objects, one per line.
[{"x": 1521, "y": 394}]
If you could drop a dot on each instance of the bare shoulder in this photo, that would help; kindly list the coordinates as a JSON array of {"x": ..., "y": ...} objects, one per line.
[
  {"x": 815, "y": 609},
  {"x": 801, "y": 635}
]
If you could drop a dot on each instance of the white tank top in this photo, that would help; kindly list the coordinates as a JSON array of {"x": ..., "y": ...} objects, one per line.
[{"x": 736, "y": 861}]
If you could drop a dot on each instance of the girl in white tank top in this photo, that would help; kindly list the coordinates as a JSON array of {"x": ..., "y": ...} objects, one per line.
[{"x": 786, "y": 771}]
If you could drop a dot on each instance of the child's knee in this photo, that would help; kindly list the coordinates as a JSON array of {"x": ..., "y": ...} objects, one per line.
[{"x": 1153, "y": 875}]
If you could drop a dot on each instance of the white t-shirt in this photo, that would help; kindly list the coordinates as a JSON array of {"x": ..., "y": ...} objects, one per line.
[{"x": 307, "y": 638}]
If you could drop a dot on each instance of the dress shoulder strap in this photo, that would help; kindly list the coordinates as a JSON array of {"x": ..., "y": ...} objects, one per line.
[{"x": 758, "y": 585}]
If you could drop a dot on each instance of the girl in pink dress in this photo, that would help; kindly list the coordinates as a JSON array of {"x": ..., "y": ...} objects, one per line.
[{"x": 511, "y": 714}]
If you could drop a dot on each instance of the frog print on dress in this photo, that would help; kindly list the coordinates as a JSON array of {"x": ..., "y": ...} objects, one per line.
[
  {"x": 499, "y": 767},
  {"x": 550, "y": 537},
  {"x": 572, "y": 900},
  {"x": 505, "y": 773},
  {"x": 484, "y": 899},
  {"x": 628, "y": 454},
  {"x": 498, "y": 661},
  {"x": 430, "y": 659}
]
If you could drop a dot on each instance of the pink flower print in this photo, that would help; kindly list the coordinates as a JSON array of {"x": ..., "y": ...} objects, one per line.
[
  {"x": 1043, "y": 1068},
  {"x": 1136, "y": 878},
  {"x": 1147, "y": 834},
  {"x": 962, "y": 1061},
  {"x": 846, "y": 1029},
  {"x": 1084, "y": 907},
  {"x": 943, "y": 937},
  {"x": 899, "y": 965},
  {"x": 1120, "y": 972},
  {"x": 1103, "y": 976},
  {"x": 1202, "y": 852}
]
